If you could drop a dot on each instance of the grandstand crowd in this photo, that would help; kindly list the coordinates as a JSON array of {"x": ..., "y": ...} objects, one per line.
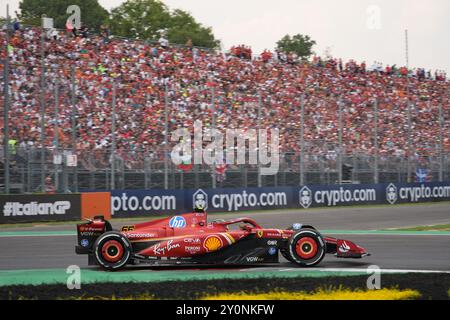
[{"x": 142, "y": 70}]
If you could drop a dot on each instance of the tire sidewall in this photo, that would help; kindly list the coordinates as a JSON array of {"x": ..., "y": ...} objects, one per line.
[
  {"x": 112, "y": 236},
  {"x": 321, "y": 247}
]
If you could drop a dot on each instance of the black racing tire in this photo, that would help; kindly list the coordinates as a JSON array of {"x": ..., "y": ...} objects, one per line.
[
  {"x": 306, "y": 248},
  {"x": 285, "y": 254},
  {"x": 112, "y": 250}
]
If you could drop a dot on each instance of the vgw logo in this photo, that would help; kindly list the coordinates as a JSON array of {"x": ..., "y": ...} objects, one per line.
[
  {"x": 391, "y": 193},
  {"x": 200, "y": 200},
  {"x": 305, "y": 197}
]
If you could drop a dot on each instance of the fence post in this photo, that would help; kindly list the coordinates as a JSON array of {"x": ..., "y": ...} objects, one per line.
[
  {"x": 259, "y": 130},
  {"x": 408, "y": 163},
  {"x": 302, "y": 141},
  {"x": 441, "y": 144},
  {"x": 166, "y": 140},
  {"x": 6, "y": 104},
  {"x": 147, "y": 171},
  {"x": 181, "y": 179},
  {"x": 56, "y": 142},
  {"x": 29, "y": 153},
  {"x": 213, "y": 111},
  {"x": 113, "y": 135},
  {"x": 340, "y": 141},
  {"x": 42, "y": 101},
  {"x": 244, "y": 175},
  {"x": 122, "y": 173},
  {"x": 375, "y": 139},
  {"x": 196, "y": 176},
  {"x": 73, "y": 122}
]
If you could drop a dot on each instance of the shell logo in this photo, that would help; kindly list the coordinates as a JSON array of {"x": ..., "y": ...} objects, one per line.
[{"x": 212, "y": 243}]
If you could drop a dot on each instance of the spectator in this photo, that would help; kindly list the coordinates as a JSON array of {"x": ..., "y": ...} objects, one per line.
[
  {"x": 141, "y": 72},
  {"x": 163, "y": 42},
  {"x": 189, "y": 44},
  {"x": 49, "y": 186},
  {"x": 266, "y": 56}
]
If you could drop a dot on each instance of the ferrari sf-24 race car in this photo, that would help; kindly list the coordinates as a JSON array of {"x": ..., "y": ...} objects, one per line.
[{"x": 190, "y": 239}]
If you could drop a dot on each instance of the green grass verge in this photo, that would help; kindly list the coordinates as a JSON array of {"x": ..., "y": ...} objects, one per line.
[
  {"x": 59, "y": 276},
  {"x": 437, "y": 227}
]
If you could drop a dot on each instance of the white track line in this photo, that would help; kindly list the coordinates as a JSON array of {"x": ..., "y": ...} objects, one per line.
[
  {"x": 35, "y": 235},
  {"x": 364, "y": 270}
]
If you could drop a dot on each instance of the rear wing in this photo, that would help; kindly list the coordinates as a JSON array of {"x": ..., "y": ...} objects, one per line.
[{"x": 88, "y": 232}]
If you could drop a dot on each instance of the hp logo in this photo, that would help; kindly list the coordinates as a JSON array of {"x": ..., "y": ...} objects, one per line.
[{"x": 177, "y": 222}]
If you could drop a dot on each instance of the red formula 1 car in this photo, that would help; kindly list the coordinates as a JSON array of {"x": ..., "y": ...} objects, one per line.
[{"x": 189, "y": 238}]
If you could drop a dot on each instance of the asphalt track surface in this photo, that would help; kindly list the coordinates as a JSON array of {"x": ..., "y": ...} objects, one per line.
[{"x": 404, "y": 251}]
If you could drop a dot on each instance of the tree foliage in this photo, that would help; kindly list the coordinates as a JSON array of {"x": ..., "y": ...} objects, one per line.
[
  {"x": 183, "y": 27},
  {"x": 92, "y": 13},
  {"x": 139, "y": 18},
  {"x": 299, "y": 44},
  {"x": 146, "y": 19}
]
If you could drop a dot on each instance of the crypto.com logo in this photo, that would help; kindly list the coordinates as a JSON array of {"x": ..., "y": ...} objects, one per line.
[
  {"x": 391, "y": 193},
  {"x": 259, "y": 150},
  {"x": 305, "y": 197},
  {"x": 200, "y": 200}
]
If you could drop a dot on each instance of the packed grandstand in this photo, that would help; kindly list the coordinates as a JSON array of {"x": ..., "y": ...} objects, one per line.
[{"x": 141, "y": 71}]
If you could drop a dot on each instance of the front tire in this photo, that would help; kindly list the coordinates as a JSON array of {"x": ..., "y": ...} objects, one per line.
[
  {"x": 306, "y": 248},
  {"x": 112, "y": 250}
]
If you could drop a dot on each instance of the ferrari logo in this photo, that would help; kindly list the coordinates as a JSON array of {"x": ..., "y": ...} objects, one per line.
[{"x": 260, "y": 233}]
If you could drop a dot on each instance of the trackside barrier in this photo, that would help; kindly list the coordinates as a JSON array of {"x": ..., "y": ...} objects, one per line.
[
  {"x": 53, "y": 207},
  {"x": 128, "y": 203}
]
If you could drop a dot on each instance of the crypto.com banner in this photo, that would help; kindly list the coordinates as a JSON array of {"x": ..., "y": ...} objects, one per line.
[
  {"x": 128, "y": 203},
  {"x": 361, "y": 194}
]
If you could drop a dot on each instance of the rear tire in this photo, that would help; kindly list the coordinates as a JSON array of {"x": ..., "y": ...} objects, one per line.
[
  {"x": 306, "y": 248},
  {"x": 285, "y": 254},
  {"x": 112, "y": 250}
]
